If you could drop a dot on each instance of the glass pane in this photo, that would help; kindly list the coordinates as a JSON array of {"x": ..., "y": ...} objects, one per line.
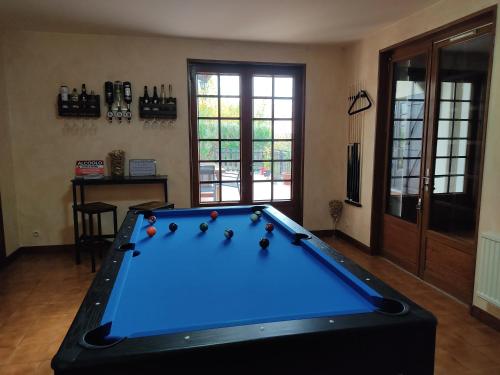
[
  {"x": 209, "y": 172},
  {"x": 443, "y": 147},
  {"x": 262, "y": 86},
  {"x": 440, "y": 185},
  {"x": 283, "y": 86},
  {"x": 282, "y": 170},
  {"x": 463, "y": 77},
  {"x": 230, "y": 171},
  {"x": 206, "y": 84},
  {"x": 408, "y": 129},
  {"x": 445, "y": 128},
  {"x": 262, "y": 108},
  {"x": 442, "y": 166},
  {"x": 282, "y": 190},
  {"x": 283, "y": 108},
  {"x": 283, "y": 129},
  {"x": 261, "y": 171},
  {"x": 230, "y": 150},
  {"x": 208, "y": 150},
  {"x": 208, "y": 129},
  {"x": 209, "y": 192},
  {"x": 262, "y": 129},
  {"x": 457, "y": 166},
  {"x": 447, "y": 90},
  {"x": 461, "y": 129},
  {"x": 231, "y": 191},
  {"x": 457, "y": 184},
  {"x": 230, "y": 85},
  {"x": 408, "y": 105},
  {"x": 229, "y": 107},
  {"x": 262, "y": 150},
  {"x": 282, "y": 150},
  {"x": 464, "y": 91},
  {"x": 208, "y": 107},
  {"x": 262, "y": 191},
  {"x": 230, "y": 129}
]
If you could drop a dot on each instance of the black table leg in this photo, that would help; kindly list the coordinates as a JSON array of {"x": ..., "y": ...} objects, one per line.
[{"x": 75, "y": 226}]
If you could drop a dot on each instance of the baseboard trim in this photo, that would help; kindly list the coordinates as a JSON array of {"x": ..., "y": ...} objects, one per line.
[
  {"x": 29, "y": 250},
  {"x": 485, "y": 317},
  {"x": 338, "y": 233}
]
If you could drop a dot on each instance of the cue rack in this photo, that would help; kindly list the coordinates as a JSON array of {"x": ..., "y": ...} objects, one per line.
[{"x": 358, "y": 101}]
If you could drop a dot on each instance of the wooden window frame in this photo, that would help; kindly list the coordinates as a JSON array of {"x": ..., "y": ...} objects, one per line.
[{"x": 246, "y": 69}]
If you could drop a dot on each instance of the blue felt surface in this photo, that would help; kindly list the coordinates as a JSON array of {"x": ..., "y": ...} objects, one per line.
[{"x": 190, "y": 280}]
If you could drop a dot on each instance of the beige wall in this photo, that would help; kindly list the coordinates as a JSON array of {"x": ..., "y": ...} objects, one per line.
[
  {"x": 362, "y": 58},
  {"x": 47, "y": 147},
  {"x": 7, "y": 183}
]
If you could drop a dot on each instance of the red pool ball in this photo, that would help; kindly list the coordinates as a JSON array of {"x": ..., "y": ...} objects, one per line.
[
  {"x": 269, "y": 227},
  {"x": 214, "y": 215},
  {"x": 151, "y": 231}
]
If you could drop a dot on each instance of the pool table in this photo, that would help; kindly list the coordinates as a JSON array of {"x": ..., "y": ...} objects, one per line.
[{"x": 187, "y": 300}]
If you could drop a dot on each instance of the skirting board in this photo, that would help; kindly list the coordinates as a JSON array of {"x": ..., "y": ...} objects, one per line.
[
  {"x": 485, "y": 317},
  {"x": 330, "y": 233},
  {"x": 26, "y": 250}
]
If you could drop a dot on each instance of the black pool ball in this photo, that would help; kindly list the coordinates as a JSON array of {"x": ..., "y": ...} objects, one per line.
[
  {"x": 228, "y": 233},
  {"x": 264, "y": 243},
  {"x": 269, "y": 227},
  {"x": 152, "y": 219},
  {"x": 203, "y": 227},
  {"x": 258, "y": 213},
  {"x": 172, "y": 227}
]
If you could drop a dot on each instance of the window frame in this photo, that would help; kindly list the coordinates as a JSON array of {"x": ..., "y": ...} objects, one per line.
[{"x": 247, "y": 71}]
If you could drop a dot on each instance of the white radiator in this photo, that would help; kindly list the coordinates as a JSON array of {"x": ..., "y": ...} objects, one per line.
[{"x": 488, "y": 269}]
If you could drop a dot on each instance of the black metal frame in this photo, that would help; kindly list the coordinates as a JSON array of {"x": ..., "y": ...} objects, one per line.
[{"x": 398, "y": 342}]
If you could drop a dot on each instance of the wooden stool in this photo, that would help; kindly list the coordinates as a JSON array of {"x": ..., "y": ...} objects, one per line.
[{"x": 90, "y": 239}]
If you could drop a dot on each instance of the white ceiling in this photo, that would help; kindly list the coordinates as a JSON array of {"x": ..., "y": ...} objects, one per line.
[{"x": 290, "y": 21}]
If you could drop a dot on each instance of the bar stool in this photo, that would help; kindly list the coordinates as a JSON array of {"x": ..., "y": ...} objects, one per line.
[
  {"x": 150, "y": 206},
  {"x": 89, "y": 239}
]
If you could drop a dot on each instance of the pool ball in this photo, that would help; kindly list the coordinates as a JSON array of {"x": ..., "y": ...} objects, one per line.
[
  {"x": 228, "y": 233},
  {"x": 258, "y": 213},
  {"x": 254, "y": 217},
  {"x": 214, "y": 215},
  {"x": 264, "y": 243},
  {"x": 203, "y": 227},
  {"x": 151, "y": 231},
  {"x": 152, "y": 219},
  {"x": 269, "y": 227},
  {"x": 172, "y": 227}
]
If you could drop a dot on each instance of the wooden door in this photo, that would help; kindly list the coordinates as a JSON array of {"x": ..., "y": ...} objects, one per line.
[
  {"x": 460, "y": 84},
  {"x": 404, "y": 156},
  {"x": 247, "y": 134}
]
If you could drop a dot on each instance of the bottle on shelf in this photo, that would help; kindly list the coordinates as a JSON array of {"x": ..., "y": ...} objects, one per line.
[
  {"x": 83, "y": 96},
  {"x": 109, "y": 97},
  {"x": 117, "y": 105},
  {"x": 155, "y": 95},
  {"x": 127, "y": 98},
  {"x": 64, "y": 91},
  {"x": 74, "y": 99},
  {"x": 163, "y": 94},
  {"x": 145, "y": 98}
]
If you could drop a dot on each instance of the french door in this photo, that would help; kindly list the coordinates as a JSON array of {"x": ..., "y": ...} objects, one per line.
[
  {"x": 246, "y": 131},
  {"x": 437, "y": 97}
]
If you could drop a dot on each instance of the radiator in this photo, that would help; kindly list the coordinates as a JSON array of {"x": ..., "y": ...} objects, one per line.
[{"x": 488, "y": 269}]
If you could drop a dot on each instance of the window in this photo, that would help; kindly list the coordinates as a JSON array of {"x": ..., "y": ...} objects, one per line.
[
  {"x": 453, "y": 130},
  {"x": 246, "y": 134}
]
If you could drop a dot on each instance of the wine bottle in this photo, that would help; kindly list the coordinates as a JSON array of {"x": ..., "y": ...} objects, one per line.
[
  {"x": 83, "y": 96},
  {"x": 127, "y": 92},
  {"x": 145, "y": 98},
  {"x": 74, "y": 95},
  {"x": 64, "y": 91},
  {"x": 155, "y": 95},
  {"x": 163, "y": 95}
]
